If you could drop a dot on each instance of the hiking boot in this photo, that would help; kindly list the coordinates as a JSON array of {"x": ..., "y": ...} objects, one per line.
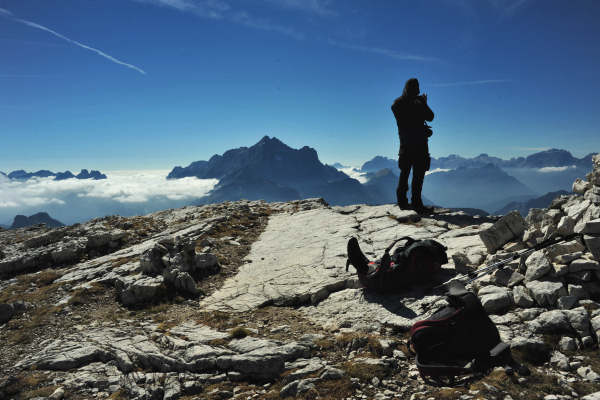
[
  {"x": 403, "y": 204},
  {"x": 420, "y": 208},
  {"x": 356, "y": 257}
]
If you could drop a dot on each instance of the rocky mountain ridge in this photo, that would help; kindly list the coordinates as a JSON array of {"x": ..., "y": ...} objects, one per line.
[
  {"x": 58, "y": 176},
  {"x": 22, "y": 221},
  {"x": 541, "y": 159},
  {"x": 273, "y": 171},
  {"x": 250, "y": 299}
]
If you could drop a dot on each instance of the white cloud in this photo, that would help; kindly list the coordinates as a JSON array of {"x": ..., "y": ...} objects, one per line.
[
  {"x": 221, "y": 10},
  {"x": 433, "y": 171},
  {"x": 398, "y": 55},
  {"x": 212, "y": 9},
  {"x": 136, "y": 192},
  {"x": 556, "y": 169},
  {"x": 120, "y": 186},
  {"x": 10, "y": 15},
  {"x": 531, "y": 148},
  {"x": 245, "y": 19},
  {"x": 354, "y": 173},
  {"x": 319, "y": 7}
]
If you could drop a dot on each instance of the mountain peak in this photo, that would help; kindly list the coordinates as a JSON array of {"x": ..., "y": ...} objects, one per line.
[
  {"x": 268, "y": 140},
  {"x": 22, "y": 221}
]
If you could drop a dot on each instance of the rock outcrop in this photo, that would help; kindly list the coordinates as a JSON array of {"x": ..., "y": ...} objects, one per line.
[{"x": 252, "y": 300}]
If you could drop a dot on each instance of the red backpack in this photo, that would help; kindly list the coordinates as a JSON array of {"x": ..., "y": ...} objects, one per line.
[{"x": 459, "y": 339}]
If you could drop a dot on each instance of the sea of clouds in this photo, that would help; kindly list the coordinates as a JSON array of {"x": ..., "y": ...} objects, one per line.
[{"x": 77, "y": 200}]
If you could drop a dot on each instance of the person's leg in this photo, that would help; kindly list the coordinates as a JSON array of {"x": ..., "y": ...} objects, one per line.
[
  {"x": 403, "y": 182},
  {"x": 420, "y": 167},
  {"x": 417, "y": 185}
]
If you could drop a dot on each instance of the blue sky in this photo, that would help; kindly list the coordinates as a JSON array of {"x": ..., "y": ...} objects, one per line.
[{"x": 150, "y": 84}]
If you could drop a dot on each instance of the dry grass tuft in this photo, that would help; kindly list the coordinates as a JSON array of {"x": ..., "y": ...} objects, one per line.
[
  {"x": 239, "y": 332},
  {"x": 85, "y": 295},
  {"x": 120, "y": 394},
  {"x": 26, "y": 386},
  {"x": 363, "y": 371}
]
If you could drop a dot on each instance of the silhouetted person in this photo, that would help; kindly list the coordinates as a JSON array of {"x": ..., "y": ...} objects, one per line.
[{"x": 411, "y": 112}]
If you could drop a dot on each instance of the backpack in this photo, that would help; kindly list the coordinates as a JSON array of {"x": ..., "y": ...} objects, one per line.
[
  {"x": 459, "y": 339},
  {"x": 414, "y": 262}
]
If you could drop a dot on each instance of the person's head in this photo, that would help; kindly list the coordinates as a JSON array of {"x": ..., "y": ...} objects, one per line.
[{"x": 411, "y": 88}]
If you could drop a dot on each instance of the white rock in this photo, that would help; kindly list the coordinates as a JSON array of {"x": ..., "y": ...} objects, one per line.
[
  {"x": 496, "y": 301},
  {"x": 565, "y": 226},
  {"x": 521, "y": 297},
  {"x": 567, "y": 343},
  {"x": 138, "y": 289},
  {"x": 546, "y": 293},
  {"x": 554, "y": 321},
  {"x": 596, "y": 323},
  {"x": 588, "y": 374},
  {"x": 508, "y": 227},
  {"x": 580, "y": 186},
  {"x": 592, "y": 396},
  {"x": 579, "y": 319},
  {"x": 561, "y": 248},
  {"x": 560, "y": 360},
  {"x": 576, "y": 210},
  {"x": 537, "y": 265}
]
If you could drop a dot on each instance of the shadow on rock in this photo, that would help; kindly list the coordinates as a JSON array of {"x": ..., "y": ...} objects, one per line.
[{"x": 460, "y": 218}]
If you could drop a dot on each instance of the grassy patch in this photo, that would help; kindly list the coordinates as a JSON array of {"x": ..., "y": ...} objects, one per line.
[
  {"x": 219, "y": 320},
  {"x": 84, "y": 295},
  {"x": 537, "y": 386},
  {"x": 218, "y": 342},
  {"x": 239, "y": 332},
  {"x": 26, "y": 386},
  {"x": 358, "y": 341},
  {"x": 363, "y": 371},
  {"x": 374, "y": 346},
  {"x": 120, "y": 394},
  {"x": 41, "y": 392},
  {"x": 166, "y": 326},
  {"x": 122, "y": 260},
  {"x": 42, "y": 278},
  {"x": 325, "y": 344}
]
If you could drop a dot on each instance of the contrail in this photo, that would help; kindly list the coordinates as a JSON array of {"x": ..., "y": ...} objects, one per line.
[{"x": 8, "y": 14}]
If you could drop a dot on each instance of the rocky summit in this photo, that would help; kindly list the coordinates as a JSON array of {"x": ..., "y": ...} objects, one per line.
[{"x": 252, "y": 300}]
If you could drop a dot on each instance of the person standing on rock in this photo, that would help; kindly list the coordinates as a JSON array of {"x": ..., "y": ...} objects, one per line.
[{"x": 411, "y": 112}]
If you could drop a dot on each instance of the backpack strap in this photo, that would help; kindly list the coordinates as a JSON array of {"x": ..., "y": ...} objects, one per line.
[
  {"x": 437, "y": 372},
  {"x": 408, "y": 239}
]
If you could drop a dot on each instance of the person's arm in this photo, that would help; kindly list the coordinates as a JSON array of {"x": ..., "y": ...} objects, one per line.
[{"x": 427, "y": 113}]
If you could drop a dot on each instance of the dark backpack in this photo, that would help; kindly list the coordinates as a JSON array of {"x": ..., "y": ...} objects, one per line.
[
  {"x": 459, "y": 339},
  {"x": 414, "y": 262}
]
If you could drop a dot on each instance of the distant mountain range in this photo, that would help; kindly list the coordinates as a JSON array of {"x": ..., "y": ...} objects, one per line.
[
  {"x": 22, "y": 175},
  {"x": 21, "y": 221},
  {"x": 524, "y": 206},
  {"x": 487, "y": 187},
  {"x": 273, "y": 171},
  {"x": 542, "y": 159}
]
